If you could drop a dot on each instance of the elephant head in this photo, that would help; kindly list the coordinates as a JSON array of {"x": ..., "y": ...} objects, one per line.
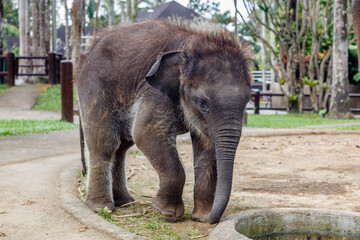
[
  {"x": 211, "y": 81},
  {"x": 356, "y": 20}
]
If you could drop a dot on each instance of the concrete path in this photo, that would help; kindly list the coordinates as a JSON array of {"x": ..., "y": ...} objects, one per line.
[
  {"x": 21, "y": 97},
  {"x": 30, "y": 206}
]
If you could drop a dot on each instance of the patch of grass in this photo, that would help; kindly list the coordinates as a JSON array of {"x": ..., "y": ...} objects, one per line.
[
  {"x": 353, "y": 127},
  {"x": 105, "y": 213},
  {"x": 141, "y": 218},
  {"x": 50, "y": 99},
  {"x": 3, "y": 88},
  {"x": 21, "y": 127},
  {"x": 292, "y": 120},
  {"x": 137, "y": 153}
]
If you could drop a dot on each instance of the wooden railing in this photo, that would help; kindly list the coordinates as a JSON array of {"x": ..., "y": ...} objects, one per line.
[
  {"x": 51, "y": 67},
  {"x": 256, "y": 95}
]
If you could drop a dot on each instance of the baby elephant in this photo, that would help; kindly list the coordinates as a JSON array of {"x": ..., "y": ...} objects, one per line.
[{"x": 146, "y": 83}]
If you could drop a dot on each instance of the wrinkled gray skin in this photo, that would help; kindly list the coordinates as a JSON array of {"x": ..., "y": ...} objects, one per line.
[{"x": 146, "y": 83}]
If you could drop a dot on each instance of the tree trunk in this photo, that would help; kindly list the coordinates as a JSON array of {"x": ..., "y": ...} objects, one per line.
[
  {"x": 134, "y": 10},
  {"x": 44, "y": 28},
  {"x": 96, "y": 20},
  {"x": 23, "y": 51},
  {"x": 67, "y": 45},
  {"x": 123, "y": 15},
  {"x": 22, "y": 27},
  {"x": 35, "y": 46},
  {"x": 111, "y": 13},
  {"x": 28, "y": 28},
  {"x": 75, "y": 31},
  {"x": 83, "y": 17},
  {"x": 41, "y": 33},
  {"x": 128, "y": 10},
  {"x": 340, "y": 102}
]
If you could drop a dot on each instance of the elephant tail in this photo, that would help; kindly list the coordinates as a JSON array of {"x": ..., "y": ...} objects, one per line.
[{"x": 82, "y": 147}]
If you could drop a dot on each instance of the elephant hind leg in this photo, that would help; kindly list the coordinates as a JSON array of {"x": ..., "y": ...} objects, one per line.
[
  {"x": 99, "y": 194},
  {"x": 119, "y": 184},
  {"x": 102, "y": 143}
]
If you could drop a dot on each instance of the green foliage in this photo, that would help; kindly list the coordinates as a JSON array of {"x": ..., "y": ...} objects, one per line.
[
  {"x": 310, "y": 83},
  {"x": 3, "y": 88},
  {"x": 105, "y": 213},
  {"x": 11, "y": 30},
  {"x": 222, "y": 18},
  {"x": 325, "y": 87},
  {"x": 293, "y": 98},
  {"x": 292, "y": 120},
  {"x": 323, "y": 113},
  {"x": 50, "y": 100},
  {"x": 90, "y": 10},
  {"x": 204, "y": 6},
  {"x": 21, "y": 127},
  {"x": 11, "y": 19},
  {"x": 356, "y": 77}
]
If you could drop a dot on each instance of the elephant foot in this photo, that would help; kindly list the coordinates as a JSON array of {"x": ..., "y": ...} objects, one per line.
[
  {"x": 201, "y": 216},
  {"x": 124, "y": 200},
  {"x": 169, "y": 208},
  {"x": 98, "y": 204}
]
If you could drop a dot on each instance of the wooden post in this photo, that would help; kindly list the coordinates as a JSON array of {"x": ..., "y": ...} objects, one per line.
[
  {"x": 58, "y": 61},
  {"x": 10, "y": 59},
  {"x": 66, "y": 74},
  {"x": 52, "y": 67},
  {"x": 257, "y": 102}
]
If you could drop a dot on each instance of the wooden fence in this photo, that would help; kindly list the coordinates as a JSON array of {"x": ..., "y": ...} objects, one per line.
[
  {"x": 50, "y": 67},
  {"x": 256, "y": 95}
]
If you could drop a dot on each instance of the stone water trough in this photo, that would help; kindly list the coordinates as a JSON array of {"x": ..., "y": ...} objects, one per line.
[{"x": 288, "y": 223}]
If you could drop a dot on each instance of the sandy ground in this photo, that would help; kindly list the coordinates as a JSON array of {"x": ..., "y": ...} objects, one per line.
[{"x": 314, "y": 171}]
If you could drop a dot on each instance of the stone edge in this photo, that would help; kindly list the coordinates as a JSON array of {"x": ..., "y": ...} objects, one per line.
[{"x": 77, "y": 209}]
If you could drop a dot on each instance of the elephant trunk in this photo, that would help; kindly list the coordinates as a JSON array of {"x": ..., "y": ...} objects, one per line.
[
  {"x": 356, "y": 20},
  {"x": 226, "y": 141}
]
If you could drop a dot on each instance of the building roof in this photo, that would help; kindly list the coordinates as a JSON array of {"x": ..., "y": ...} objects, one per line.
[{"x": 167, "y": 10}]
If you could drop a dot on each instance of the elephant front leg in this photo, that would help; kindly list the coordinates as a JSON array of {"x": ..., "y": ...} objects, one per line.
[
  {"x": 205, "y": 177},
  {"x": 160, "y": 149}
]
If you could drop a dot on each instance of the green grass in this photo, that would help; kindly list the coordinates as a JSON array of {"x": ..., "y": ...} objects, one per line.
[
  {"x": 50, "y": 99},
  {"x": 292, "y": 120},
  {"x": 21, "y": 127},
  {"x": 354, "y": 127},
  {"x": 3, "y": 88}
]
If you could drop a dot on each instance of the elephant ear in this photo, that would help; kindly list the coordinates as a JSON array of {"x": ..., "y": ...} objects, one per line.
[{"x": 164, "y": 75}]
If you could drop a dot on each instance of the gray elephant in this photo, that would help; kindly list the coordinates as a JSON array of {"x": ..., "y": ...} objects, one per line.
[{"x": 146, "y": 83}]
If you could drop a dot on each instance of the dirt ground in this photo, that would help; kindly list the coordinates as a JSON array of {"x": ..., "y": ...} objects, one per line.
[{"x": 313, "y": 171}]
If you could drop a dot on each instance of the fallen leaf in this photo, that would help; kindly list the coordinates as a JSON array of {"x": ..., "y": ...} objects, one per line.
[
  {"x": 29, "y": 202},
  {"x": 83, "y": 228}
]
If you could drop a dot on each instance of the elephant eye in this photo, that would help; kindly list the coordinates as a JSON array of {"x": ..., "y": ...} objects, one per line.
[{"x": 203, "y": 104}]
